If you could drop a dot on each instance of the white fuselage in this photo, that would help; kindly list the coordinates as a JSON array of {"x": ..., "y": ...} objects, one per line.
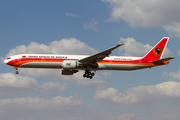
[{"x": 56, "y": 62}]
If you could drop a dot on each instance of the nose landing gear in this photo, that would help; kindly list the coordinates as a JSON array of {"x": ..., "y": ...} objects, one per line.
[{"x": 17, "y": 72}]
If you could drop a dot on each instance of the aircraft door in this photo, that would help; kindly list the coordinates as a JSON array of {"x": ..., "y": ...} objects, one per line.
[
  {"x": 140, "y": 62},
  {"x": 19, "y": 59},
  {"x": 42, "y": 59},
  {"x": 110, "y": 60}
]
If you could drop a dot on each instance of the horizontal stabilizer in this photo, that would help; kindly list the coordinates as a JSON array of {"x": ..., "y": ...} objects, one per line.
[{"x": 162, "y": 60}]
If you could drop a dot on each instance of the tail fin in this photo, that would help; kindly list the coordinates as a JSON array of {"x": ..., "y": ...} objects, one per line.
[{"x": 157, "y": 51}]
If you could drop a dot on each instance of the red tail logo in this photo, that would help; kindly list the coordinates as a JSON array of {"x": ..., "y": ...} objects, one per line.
[{"x": 157, "y": 51}]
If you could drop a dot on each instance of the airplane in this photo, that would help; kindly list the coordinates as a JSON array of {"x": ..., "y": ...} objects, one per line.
[{"x": 71, "y": 64}]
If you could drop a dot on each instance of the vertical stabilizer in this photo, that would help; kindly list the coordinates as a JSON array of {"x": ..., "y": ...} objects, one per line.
[{"x": 157, "y": 51}]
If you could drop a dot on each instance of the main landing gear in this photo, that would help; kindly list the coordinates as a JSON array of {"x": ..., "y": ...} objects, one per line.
[{"x": 88, "y": 74}]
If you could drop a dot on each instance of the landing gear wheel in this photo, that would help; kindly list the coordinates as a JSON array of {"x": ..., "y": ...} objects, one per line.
[
  {"x": 88, "y": 74},
  {"x": 91, "y": 77},
  {"x": 17, "y": 72},
  {"x": 92, "y": 74},
  {"x": 84, "y": 75}
]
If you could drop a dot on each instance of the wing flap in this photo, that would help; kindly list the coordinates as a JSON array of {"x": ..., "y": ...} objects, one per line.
[{"x": 162, "y": 60}]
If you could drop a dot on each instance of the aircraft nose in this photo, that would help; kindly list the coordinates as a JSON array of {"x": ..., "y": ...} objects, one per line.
[{"x": 5, "y": 61}]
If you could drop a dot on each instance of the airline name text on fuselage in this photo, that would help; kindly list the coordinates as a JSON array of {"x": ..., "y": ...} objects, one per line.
[{"x": 60, "y": 57}]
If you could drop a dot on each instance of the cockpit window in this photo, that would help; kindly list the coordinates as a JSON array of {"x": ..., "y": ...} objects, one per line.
[{"x": 8, "y": 58}]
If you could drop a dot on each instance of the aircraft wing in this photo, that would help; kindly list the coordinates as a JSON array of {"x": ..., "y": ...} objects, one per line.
[
  {"x": 99, "y": 56},
  {"x": 162, "y": 60}
]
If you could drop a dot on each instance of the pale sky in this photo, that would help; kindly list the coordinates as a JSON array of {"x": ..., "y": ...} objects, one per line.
[{"x": 86, "y": 27}]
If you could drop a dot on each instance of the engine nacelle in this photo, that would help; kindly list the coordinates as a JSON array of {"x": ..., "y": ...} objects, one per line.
[
  {"x": 69, "y": 64},
  {"x": 69, "y": 72}
]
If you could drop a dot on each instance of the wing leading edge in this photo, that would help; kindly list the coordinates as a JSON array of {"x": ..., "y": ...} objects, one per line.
[{"x": 98, "y": 56}]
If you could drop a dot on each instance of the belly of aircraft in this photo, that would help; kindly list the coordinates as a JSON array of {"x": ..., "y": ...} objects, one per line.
[
  {"x": 58, "y": 65},
  {"x": 122, "y": 66},
  {"x": 55, "y": 65}
]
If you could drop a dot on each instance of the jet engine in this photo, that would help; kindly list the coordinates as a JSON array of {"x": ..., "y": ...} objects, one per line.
[
  {"x": 69, "y": 64},
  {"x": 68, "y": 72},
  {"x": 69, "y": 67}
]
